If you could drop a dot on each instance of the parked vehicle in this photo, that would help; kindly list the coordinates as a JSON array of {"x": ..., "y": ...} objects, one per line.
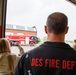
[{"x": 22, "y": 39}]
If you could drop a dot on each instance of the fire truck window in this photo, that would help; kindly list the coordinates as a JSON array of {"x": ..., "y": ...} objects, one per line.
[
  {"x": 35, "y": 38},
  {"x": 32, "y": 37}
]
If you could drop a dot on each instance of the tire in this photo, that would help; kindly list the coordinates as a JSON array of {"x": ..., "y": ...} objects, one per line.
[
  {"x": 14, "y": 43},
  {"x": 31, "y": 43}
]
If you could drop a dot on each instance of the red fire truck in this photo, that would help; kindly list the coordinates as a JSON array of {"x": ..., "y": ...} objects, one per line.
[{"x": 22, "y": 39}]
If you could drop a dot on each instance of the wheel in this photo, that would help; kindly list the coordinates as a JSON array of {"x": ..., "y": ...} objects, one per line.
[
  {"x": 14, "y": 43},
  {"x": 31, "y": 43}
]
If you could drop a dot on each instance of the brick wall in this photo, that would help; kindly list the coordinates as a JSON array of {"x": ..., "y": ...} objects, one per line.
[{"x": 14, "y": 31}]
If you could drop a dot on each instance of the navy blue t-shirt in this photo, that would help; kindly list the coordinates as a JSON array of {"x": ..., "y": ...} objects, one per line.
[{"x": 50, "y": 58}]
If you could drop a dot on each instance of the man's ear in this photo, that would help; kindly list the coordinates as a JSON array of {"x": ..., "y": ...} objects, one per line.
[
  {"x": 67, "y": 28},
  {"x": 45, "y": 28}
]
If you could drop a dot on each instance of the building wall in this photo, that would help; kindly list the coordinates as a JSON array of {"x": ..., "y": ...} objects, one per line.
[{"x": 14, "y": 31}]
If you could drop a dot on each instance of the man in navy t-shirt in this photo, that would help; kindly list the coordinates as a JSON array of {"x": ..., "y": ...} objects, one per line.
[{"x": 53, "y": 57}]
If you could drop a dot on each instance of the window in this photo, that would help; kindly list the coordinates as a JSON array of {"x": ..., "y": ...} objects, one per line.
[
  {"x": 8, "y": 26},
  {"x": 20, "y": 27},
  {"x": 20, "y": 34},
  {"x": 30, "y": 29},
  {"x": 8, "y": 33}
]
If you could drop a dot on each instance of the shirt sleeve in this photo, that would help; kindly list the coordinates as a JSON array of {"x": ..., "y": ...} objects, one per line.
[{"x": 20, "y": 68}]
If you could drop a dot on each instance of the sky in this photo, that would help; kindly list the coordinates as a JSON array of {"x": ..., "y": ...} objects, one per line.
[{"x": 35, "y": 12}]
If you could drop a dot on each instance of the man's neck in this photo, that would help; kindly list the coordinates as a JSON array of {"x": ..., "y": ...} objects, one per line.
[{"x": 55, "y": 38}]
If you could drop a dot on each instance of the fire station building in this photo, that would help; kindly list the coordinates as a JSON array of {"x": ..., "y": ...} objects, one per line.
[{"x": 20, "y": 30}]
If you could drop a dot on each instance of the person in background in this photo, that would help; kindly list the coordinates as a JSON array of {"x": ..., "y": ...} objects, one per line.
[
  {"x": 74, "y": 44},
  {"x": 54, "y": 56},
  {"x": 21, "y": 50},
  {"x": 8, "y": 60}
]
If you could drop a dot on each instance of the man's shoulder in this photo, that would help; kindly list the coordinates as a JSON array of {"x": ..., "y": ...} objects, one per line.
[{"x": 38, "y": 48}]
